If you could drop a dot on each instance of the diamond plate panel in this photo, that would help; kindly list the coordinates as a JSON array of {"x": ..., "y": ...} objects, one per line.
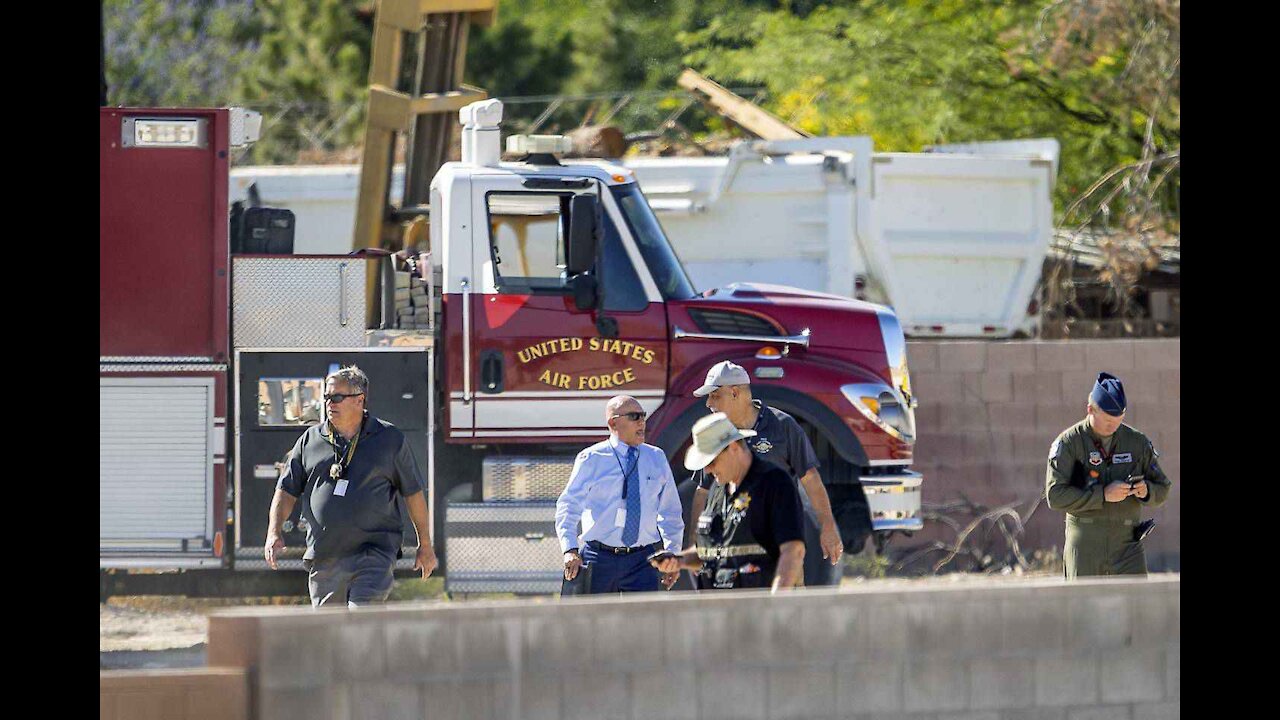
[
  {"x": 142, "y": 367},
  {"x": 502, "y": 547},
  {"x": 294, "y": 302},
  {"x": 522, "y": 479},
  {"x": 520, "y": 584}
]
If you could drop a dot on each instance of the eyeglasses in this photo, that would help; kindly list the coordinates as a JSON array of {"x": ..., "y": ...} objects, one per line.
[
  {"x": 337, "y": 398},
  {"x": 632, "y": 416}
]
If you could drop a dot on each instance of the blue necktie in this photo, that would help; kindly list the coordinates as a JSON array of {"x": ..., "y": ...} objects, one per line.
[{"x": 631, "y": 528}]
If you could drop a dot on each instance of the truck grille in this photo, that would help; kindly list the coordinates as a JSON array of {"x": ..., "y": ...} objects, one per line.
[{"x": 525, "y": 478}]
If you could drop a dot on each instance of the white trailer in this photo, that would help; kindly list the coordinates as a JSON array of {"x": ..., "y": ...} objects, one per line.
[{"x": 953, "y": 239}]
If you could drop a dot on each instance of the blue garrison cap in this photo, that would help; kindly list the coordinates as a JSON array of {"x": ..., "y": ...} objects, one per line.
[{"x": 1108, "y": 394}]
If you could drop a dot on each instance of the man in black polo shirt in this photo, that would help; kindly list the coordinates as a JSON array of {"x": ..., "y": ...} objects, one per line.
[
  {"x": 749, "y": 535},
  {"x": 351, "y": 468},
  {"x": 780, "y": 440}
]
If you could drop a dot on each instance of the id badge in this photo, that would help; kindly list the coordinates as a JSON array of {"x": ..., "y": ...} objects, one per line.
[
  {"x": 341, "y": 488},
  {"x": 620, "y": 520}
]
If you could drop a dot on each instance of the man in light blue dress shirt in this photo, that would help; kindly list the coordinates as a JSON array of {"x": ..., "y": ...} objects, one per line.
[{"x": 625, "y": 495}]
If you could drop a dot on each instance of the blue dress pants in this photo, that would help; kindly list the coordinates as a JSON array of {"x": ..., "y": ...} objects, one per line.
[{"x": 611, "y": 573}]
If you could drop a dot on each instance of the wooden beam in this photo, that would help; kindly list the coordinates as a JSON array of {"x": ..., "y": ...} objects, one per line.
[
  {"x": 445, "y": 102},
  {"x": 483, "y": 12},
  {"x": 375, "y": 176},
  {"x": 391, "y": 110},
  {"x": 403, "y": 15},
  {"x": 750, "y": 116},
  {"x": 384, "y": 57},
  {"x": 388, "y": 109}
]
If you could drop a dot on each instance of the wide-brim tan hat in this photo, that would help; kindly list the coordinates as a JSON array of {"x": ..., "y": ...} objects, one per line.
[{"x": 711, "y": 435}]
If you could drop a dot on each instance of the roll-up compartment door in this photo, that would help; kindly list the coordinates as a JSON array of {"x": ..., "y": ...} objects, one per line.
[{"x": 156, "y": 473}]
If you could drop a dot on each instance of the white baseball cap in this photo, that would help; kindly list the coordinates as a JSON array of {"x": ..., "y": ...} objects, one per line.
[
  {"x": 711, "y": 435},
  {"x": 721, "y": 374}
]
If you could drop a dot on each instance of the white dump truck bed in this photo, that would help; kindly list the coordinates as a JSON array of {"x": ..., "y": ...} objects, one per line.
[{"x": 953, "y": 241}]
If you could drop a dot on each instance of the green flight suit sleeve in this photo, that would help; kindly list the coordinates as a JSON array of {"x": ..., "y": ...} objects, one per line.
[
  {"x": 1059, "y": 491},
  {"x": 1158, "y": 484}
]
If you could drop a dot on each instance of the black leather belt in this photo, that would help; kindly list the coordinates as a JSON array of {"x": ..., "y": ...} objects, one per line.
[{"x": 619, "y": 550}]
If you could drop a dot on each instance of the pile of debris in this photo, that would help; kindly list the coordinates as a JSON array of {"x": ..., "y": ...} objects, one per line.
[
  {"x": 1099, "y": 283},
  {"x": 985, "y": 540}
]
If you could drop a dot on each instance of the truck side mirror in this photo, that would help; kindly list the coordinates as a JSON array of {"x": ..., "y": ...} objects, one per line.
[
  {"x": 586, "y": 295},
  {"x": 584, "y": 234}
]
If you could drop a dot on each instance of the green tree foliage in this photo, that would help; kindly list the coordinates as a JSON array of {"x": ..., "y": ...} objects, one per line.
[
  {"x": 551, "y": 47},
  {"x": 925, "y": 72},
  {"x": 1101, "y": 76},
  {"x": 174, "y": 53},
  {"x": 308, "y": 76}
]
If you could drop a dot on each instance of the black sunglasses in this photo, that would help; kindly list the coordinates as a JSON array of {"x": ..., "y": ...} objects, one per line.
[
  {"x": 337, "y": 398},
  {"x": 632, "y": 416}
]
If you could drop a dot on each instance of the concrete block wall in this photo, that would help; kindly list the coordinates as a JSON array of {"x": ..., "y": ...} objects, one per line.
[
  {"x": 990, "y": 410},
  {"x": 210, "y": 693},
  {"x": 983, "y": 651}
]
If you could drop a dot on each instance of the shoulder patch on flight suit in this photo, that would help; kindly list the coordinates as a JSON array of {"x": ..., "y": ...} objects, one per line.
[
  {"x": 1095, "y": 457},
  {"x": 1055, "y": 449}
]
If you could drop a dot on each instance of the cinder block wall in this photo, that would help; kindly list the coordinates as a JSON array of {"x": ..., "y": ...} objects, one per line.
[
  {"x": 990, "y": 410},
  {"x": 986, "y": 651},
  {"x": 210, "y": 693}
]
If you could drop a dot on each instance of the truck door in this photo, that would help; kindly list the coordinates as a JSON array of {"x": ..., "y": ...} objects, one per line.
[{"x": 542, "y": 369}]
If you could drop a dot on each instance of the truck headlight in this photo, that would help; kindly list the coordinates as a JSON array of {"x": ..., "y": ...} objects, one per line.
[{"x": 884, "y": 407}]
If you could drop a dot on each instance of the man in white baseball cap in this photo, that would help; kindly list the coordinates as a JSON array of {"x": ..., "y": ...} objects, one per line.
[
  {"x": 750, "y": 535},
  {"x": 780, "y": 440}
]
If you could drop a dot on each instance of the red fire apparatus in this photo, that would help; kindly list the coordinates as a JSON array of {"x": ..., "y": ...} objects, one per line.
[{"x": 550, "y": 287}]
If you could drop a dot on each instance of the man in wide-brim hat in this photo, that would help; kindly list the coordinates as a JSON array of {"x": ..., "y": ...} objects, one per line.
[{"x": 750, "y": 535}]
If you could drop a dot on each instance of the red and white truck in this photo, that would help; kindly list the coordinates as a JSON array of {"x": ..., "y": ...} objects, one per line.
[{"x": 556, "y": 288}]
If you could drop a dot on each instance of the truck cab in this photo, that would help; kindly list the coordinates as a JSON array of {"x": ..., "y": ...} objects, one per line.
[{"x": 560, "y": 290}]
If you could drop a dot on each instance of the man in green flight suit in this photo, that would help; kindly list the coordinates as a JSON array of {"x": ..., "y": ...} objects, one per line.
[{"x": 1101, "y": 474}]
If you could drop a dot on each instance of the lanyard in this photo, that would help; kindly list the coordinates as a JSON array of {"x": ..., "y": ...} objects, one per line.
[
  {"x": 634, "y": 469},
  {"x": 339, "y": 463},
  {"x": 725, "y": 505}
]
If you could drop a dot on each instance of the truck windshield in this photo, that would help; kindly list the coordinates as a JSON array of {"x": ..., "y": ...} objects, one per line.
[{"x": 667, "y": 271}]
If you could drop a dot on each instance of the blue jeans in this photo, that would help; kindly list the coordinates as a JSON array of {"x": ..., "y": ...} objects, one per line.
[{"x": 612, "y": 573}]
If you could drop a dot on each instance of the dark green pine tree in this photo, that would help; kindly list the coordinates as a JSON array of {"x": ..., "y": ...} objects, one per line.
[{"x": 308, "y": 76}]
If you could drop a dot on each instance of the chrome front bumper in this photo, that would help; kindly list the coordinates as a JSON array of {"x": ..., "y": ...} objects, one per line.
[{"x": 894, "y": 500}]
